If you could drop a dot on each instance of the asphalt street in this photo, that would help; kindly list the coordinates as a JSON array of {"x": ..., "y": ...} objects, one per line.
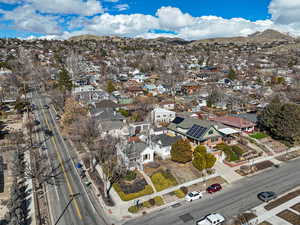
[
  {"x": 232, "y": 200},
  {"x": 83, "y": 210}
]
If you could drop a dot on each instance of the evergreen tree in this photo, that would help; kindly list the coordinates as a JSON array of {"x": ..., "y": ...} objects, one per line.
[{"x": 181, "y": 151}]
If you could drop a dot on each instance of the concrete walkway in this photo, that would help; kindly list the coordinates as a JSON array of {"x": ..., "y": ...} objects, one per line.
[
  {"x": 270, "y": 215},
  {"x": 227, "y": 172}
]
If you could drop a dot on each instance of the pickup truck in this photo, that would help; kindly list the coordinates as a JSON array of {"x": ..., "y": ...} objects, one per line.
[{"x": 211, "y": 219}]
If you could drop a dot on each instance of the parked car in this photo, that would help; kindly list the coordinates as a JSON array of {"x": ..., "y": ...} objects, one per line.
[
  {"x": 46, "y": 106},
  {"x": 36, "y": 122},
  {"x": 44, "y": 148},
  {"x": 214, "y": 188},
  {"x": 193, "y": 196},
  {"x": 211, "y": 219},
  {"x": 267, "y": 196},
  {"x": 57, "y": 117}
]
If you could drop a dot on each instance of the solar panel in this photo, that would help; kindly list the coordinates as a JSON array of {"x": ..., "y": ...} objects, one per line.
[
  {"x": 196, "y": 131},
  {"x": 177, "y": 120}
]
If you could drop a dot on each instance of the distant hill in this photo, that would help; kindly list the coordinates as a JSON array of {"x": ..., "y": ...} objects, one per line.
[{"x": 266, "y": 36}]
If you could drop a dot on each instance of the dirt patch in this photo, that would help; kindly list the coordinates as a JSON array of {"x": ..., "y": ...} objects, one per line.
[
  {"x": 275, "y": 145},
  {"x": 182, "y": 172},
  {"x": 296, "y": 207},
  {"x": 290, "y": 217},
  {"x": 282, "y": 200},
  {"x": 246, "y": 170},
  {"x": 289, "y": 156}
]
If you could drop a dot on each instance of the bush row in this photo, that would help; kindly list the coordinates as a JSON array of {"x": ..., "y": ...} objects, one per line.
[{"x": 157, "y": 201}]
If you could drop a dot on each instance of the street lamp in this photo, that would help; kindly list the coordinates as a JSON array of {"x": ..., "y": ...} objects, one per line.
[{"x": 72, "y": 196}]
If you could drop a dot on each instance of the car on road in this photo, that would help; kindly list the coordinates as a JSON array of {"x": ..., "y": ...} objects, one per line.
[
  {"x": 267, "y": 196},
  {"x": 194, "y": 195},
  {"x": 46, "y": 106},
  {"x": 57, "y": 117},
  {"x": 211, "y": 219},
  {"x": 214, "y": 188},
  {"x": 36, "y": 122}
]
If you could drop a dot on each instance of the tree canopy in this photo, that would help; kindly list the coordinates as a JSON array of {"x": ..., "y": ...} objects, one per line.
[
  {"x": 181, "y": 151},
  {"x": 203, "y": 160},
  {"x": 281, "y": 121},
  {"x": 64, "y": 81},
  {"x": 110, "y": 87}
]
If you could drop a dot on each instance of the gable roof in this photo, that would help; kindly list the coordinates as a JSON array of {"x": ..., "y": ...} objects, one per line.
[
  {"x": 107, "y": 114},
  {"x": 106, "y": 104},
  {"x": 165, "y": 140}
]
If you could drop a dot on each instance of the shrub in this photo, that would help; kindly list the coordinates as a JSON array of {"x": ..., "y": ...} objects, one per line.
[
  {"x": 201, "y": 149},
  {"x": 127, "y": 197},
  {"x": 146, "y": 204},
  {"x": 237, "y": 150},
  {"x": 163, "y": 180},
  {"x": 184, "y": 189},
  {"x": 151, "y": 201},
  {"x": 130, "y": 175},
  {"x": 133, "y": 209},
  {"x": 181, "y": 151},
  {"x": 179, "y": 193},
  {"x": 159, "y": 201}
]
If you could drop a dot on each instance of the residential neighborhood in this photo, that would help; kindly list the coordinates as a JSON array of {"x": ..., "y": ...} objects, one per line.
[{"x": 113, "y": 130}]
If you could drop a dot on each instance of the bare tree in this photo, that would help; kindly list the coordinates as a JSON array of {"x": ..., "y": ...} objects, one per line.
[{"x": 106, "y": 154}]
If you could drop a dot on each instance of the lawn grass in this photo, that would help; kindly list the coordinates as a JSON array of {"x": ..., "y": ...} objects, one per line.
[
  {"x": 258, "y": 135},
  {"x": 282, "y": 200},
  {"x": 162, "y": 180}
]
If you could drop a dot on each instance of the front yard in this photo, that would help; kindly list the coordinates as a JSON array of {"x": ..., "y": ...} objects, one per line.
[
  {"x": 163, "y": 179},
  {"x": 181, "y": 172},
  {"x": 258, "y": 135}
]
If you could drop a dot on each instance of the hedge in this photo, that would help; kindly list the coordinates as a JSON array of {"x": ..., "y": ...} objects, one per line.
[
  {"x": 159, "y": 201},
  {"x": 127, "y": 197},
  {"x": 233, "y": 153},
  {"x": 133, "y": 209},
  {"x": 179, "y": 193},
  {"x": 163, "y": 180}
]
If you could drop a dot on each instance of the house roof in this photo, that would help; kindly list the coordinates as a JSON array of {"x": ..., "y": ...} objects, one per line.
[
  {"x": 164, "y": 140},
  {"x": 107, "y": 114},
  {"x": 106, "y": 104},
  {"x": 248, "y": 116},
  {"x": 111, "y": 125},
  {"x": 187, "y": 123},
  {"x": 234, "y": 121},
  {"x": 134, "y": 149}
]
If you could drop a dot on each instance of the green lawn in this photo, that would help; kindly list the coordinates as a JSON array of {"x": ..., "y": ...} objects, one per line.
[
  {"x": 258, "y": 135},
  {"x": 163, "y": 180}
]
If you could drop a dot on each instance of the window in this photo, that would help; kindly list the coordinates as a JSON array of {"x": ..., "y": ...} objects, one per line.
[
  {"x": 165, "y": 115},
  {"x": 211, "y": 132},
  {"x": 146, "y": 157},
  {"x": 214, "y": 139},
  {"x": 158, "y": 116}
]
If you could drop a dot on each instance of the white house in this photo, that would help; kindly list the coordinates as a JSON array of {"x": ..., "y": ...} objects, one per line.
[
  {"x": 160, "y": 115},
  {"x": 162, "y": 144},
  {"x": 136, "y": 154}
]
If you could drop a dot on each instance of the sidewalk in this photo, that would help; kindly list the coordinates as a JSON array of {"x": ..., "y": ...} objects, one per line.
[
  {"x": 227, "y": 172},
  {"x": 270, "y": 215}
]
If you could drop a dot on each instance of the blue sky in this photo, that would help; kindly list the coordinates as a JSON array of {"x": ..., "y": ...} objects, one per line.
[{"x": 187, "y": 19}]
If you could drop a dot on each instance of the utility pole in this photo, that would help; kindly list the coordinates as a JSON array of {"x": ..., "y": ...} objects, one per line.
[{"x": 65, "y": 209}]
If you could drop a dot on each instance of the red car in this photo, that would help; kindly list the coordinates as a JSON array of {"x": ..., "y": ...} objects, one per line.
[{"x": 214, "y": 188}]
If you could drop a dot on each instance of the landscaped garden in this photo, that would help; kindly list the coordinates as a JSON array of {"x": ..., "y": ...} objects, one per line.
[
  {"x": 132, "y": 186},
  {"x": 163, "y": 179},
  {"x": 156, "y": 201},
  {"x": 233, "y": 153},
  {"x": 258, "y": 135}
]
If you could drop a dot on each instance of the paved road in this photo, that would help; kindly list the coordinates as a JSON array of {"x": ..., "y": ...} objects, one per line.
[
  {"x": 233, "y": 200},
  {"x": 82, "y": 210}
]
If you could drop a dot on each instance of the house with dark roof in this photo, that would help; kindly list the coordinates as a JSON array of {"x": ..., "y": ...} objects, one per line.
[
  {"x": 162, "y": 144},
  {"x": 136, "y": 154},
  {"x": 204, "y": 132}
]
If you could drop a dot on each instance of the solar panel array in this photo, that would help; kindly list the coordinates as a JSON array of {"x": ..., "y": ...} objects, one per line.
[
  {"x": 177, "y": 120},
  {"x": 196, "y": 131}
]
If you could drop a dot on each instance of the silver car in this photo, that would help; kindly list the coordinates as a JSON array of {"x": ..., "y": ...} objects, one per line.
[{"x": 267, "y": 196}]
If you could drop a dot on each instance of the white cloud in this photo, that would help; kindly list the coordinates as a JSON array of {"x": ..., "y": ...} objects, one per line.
[
  {"x": 171, "y": 18},
  {"x": 123, "y": 25},
  {"x": 79, "y": 7},
  {"x": 25, "y": 18},
  {"x": 285, "y": 11},
  {"x": 111, "y": 0},
  {"x": 122, "y": 7}
]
